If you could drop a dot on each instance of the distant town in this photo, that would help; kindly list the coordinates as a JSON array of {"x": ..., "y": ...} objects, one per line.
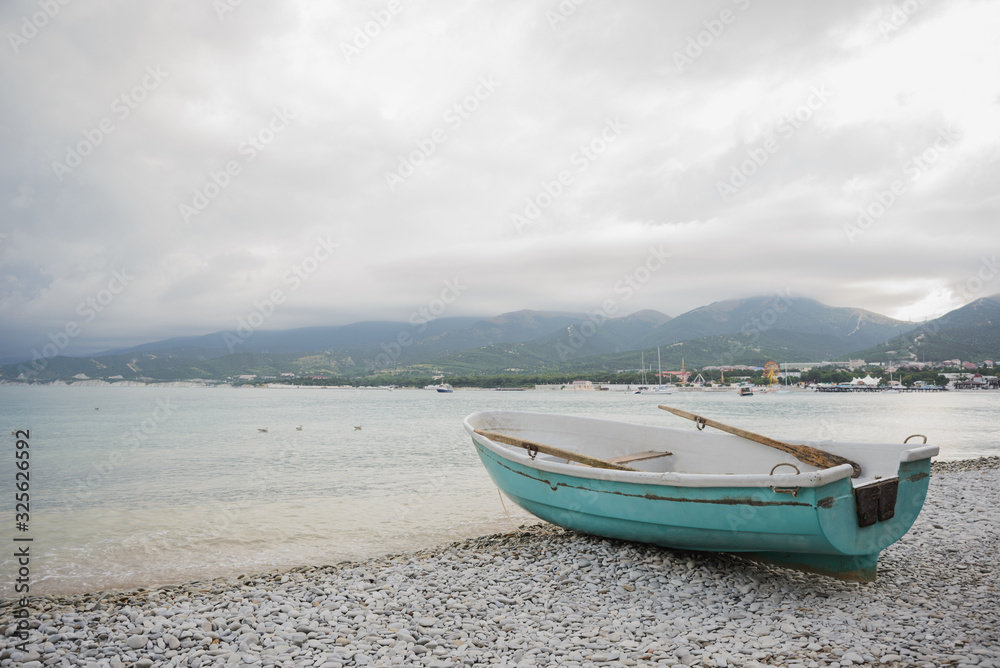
[{"x": 852, "y": 375}]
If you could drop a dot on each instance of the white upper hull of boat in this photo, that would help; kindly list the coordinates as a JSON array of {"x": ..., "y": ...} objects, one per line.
[{"x": 699, "y": 458}]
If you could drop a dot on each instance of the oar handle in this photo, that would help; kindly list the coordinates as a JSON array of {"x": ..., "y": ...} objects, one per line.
[
  {"x": 532, "y": 446},
  {"x": 804, "y": 453}
]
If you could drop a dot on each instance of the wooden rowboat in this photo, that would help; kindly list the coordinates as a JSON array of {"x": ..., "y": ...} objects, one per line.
[{"x": 697, "y": 489}]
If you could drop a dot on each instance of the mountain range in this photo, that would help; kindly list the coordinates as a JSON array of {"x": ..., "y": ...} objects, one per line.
[
  {"x": 738, "y": 331},
  {"x": 971, "y": 333}
]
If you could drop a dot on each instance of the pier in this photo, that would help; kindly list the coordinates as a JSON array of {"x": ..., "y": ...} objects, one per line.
[{"x": 868, "y": 388}]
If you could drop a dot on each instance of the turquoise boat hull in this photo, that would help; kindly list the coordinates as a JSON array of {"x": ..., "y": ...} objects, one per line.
[{"x": 809, "y": 528}]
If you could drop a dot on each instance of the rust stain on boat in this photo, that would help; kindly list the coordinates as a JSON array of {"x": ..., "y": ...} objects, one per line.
[
  {"x": 741, "y": 501},
  {"x": 826, "y": 502},
  {"x": 918, "y": 476}
]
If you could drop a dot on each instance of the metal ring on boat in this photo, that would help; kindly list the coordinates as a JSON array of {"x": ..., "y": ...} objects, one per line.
[
  {"x": 915, "y": 436},
  {"x": 794, "y": 491},
  {"x": 699, "y": 422}
]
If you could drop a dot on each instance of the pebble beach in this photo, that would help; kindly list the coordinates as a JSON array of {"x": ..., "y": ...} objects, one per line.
[{"x": 540, "y": 595}]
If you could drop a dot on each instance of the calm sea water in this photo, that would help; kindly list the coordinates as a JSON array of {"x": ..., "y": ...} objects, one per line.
[{"x": 152, "y": 485}]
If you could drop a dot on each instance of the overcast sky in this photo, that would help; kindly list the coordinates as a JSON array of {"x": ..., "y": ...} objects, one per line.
[{"x": 168, "y": 168}]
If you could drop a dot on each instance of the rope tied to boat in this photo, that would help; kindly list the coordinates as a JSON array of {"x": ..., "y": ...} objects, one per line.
[{"x": 505, "y": 510}]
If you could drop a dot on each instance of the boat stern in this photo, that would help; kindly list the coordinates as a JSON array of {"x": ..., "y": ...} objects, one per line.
[{"x": 861, "y": 521}]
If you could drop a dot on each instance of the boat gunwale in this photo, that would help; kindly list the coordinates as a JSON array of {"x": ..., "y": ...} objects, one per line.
[
  {"x": 811, "y": 479},
  {"x": 918, "y": 453}
]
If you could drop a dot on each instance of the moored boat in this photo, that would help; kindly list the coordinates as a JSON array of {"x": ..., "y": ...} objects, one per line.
[
  {"x": 708, "y": 491},
  {"x": 659, "y": 389}
]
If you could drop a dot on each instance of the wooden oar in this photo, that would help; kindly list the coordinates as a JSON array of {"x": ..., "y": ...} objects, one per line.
[
  {"x": 804, "y": 453},
  {"x": 531, "y": 446}
]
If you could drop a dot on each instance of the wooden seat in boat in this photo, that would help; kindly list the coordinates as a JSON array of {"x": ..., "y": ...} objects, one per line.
[{"x": 638, "y": 457}]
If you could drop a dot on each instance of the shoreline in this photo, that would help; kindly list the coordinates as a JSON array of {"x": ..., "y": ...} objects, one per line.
[
  {"x": 543, "y": 594},
  {"x": 614, "y": 389}
]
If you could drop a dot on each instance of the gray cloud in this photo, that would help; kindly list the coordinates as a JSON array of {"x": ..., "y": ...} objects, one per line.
[{"x": 212, "y": 157}]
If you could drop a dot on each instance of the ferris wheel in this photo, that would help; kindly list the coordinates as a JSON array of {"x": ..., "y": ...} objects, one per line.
[{"x": 771, "y": 370}]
